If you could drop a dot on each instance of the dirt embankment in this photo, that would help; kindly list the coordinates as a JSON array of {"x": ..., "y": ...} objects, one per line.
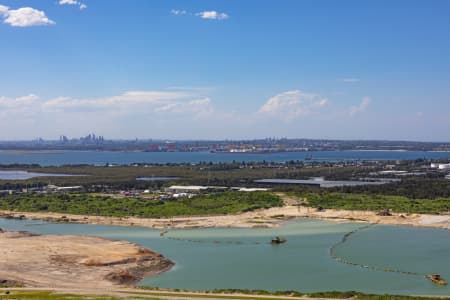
[
  {"x": 272, "y": 217},
  {"x": 266, "y": 218},
  {"x": 70, "y": 261}
]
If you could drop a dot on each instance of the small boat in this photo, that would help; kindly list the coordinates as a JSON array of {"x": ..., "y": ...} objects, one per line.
[
  {"x": 436, "y": 278},
  {"x": 278, "y": 240}
]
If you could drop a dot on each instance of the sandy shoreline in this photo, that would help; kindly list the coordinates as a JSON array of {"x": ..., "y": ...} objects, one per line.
[
  {"x": 92, "y": 263},
  {"x": 267, "y": 218},
  {"x": 73, "y": 261}
]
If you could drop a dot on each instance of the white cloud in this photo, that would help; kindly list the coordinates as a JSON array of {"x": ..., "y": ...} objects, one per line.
[
  {"x": 178, "y": 12},
  {"x": 17, "y": 102},
  {"x": 350, "y": 80},
  {"x": 362, "y": 107},
  {"x": 207, "y": 14},
  {"x": 146, "y": 112},
  {"x": 293, "y": 104},
  {"x": 16, "y": 109},
  {"x": 4, "y": 10},
  {"x": 128, "y": 101},
  {"x": 196, "y": 106},
  {"x": 73, "y": 2},
  {"x": 69, "y": 2},
  {"x": 24, "y": 17},
  {"x": 212, "y": 15}
]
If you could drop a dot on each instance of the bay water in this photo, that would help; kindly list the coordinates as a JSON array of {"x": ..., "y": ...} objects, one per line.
[{"x": 221, "y": 258}]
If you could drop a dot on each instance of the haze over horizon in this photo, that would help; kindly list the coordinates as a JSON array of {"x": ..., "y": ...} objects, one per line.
[
  {"x": 225, "y": 69},
  {"x": 191, "y": 139}
]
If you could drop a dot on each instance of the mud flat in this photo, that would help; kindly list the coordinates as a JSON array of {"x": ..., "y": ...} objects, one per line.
[{"x": 71, "y": 261}]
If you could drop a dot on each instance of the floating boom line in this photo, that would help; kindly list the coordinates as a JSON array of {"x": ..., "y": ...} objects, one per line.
[
  {"x": 345, "y": 238},
  {"x": 231, "y": 242}
]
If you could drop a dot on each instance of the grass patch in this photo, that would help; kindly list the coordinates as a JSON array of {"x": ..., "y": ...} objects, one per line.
[
  {"x": 91, "y": 204},
  {"x": 234, "y": 294},
  {"x": 219, "y": 294},
  {"x": 44, "y": 295},
  {"x": 400, "y": 204}
]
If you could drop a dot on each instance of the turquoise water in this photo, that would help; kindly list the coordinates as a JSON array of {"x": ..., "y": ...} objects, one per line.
[
  {"x": 244, "y": 258},
  {"x": 57, "y": 158}
]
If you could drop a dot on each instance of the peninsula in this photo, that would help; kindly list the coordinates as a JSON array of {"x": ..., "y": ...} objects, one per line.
[{"x": 69, "y": 261}]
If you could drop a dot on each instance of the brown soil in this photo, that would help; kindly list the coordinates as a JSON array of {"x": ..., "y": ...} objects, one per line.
[
  {"x": 72, "y": 261},
  {"x": 272, "y": 217}
]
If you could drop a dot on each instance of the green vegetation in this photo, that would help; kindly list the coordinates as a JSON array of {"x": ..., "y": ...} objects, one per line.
[
  {"x": 428, "y": 193},
  {"x": 412, "y": 187},
  {"x": 231, "y": 294},
  {"x": 362, "y": 296},
  {"x": 91, "y": 204},
  {"x": 45, "y": 295},
  {"x": 375, "y": 202},
  {"x": 124, "y": 177},
  {"x": 100, "y": 178}
]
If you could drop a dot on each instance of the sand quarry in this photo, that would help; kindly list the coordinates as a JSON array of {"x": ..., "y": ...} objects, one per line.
[{"x": 71, "y": 261}]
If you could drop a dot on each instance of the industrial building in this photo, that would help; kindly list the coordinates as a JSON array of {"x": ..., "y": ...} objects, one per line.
[
  {"x": 440, "y": 166},
  {"x": 323, "y": 183},
  {"x": 186, "y": 189},
  {"x": 181, "y": 189}
]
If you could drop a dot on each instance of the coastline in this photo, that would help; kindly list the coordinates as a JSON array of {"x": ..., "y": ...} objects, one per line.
[
  {"x": 47, "y": 254},
  {"x": 74, "y": 261},
  {"x": 266, "y": 218},
  {"x": 58, "y": 150},
  {"x": 164, "y": 294},
  {"x": 30, "y": 151}
]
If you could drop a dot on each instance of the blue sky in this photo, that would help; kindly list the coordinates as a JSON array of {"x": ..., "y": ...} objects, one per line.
[{"x": 225, "y": 69}]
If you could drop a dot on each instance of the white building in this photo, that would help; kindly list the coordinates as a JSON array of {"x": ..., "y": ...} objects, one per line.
[
  {"x": 55, "y": 188},
  {"x": 444, "y": 167},
  {"x": 253, "y": 190},
  {"x": 183, "y": 195},
  {"x": 186, "y": 189}
]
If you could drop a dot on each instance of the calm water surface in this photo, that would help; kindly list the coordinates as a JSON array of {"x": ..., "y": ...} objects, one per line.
[
  {"x": 244, "y": 258},
  {"x": 156, "y": 178},
  {"x": 23, "y": 175},
  {"x": 56, "y": 158}
]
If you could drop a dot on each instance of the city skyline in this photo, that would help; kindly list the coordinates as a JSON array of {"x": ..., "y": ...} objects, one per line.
[
  {"x": 225, "y": 69},
  {"x": 67, "y": 138}
]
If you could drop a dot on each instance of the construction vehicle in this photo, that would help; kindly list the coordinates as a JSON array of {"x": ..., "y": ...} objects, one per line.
[
  {"x": 436, "y": 278},
  {"x": 278, "y": 240}
]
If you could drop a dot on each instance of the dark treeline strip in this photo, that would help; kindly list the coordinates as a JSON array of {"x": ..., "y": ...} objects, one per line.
[
  {"x": 102, "y": 178},
  {"x": 228, "y": 174},
  {"x": 415, "y": 188},
  {"x": 374, "y": 202}
]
